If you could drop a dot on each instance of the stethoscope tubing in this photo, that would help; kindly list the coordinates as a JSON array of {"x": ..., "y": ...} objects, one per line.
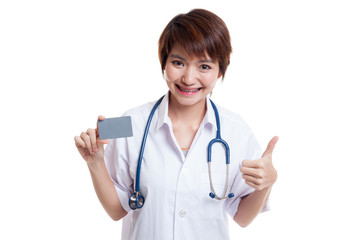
[
  {"x": 218, "y": 139},
  {"x": 136, "y": 200},
  {"x": 213, "y": 193},
  {"x": 143, "y": 143}
]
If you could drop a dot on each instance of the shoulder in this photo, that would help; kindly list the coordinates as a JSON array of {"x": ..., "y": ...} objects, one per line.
[
  {"x": 238, "y": 133},
  {"x": 232, "y": 120},
  {"x": 140, "y": 114},
  {"x": 139, "y": 111}
]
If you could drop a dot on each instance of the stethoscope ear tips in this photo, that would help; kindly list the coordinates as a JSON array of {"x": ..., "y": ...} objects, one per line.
[
  {"x": 212, "y": 195},
  {"x": 136, "y": 201},
  {"x": 230, "y": 195}
]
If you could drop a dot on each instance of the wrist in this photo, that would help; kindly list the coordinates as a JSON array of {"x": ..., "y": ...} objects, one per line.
[
  {"x": 95, "y": 165},
  {"x": 264, "y": 191}
]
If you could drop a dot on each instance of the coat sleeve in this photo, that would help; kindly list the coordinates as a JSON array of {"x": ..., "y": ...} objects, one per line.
[
  {"x": 250, "y": 151},
  {"x": 116, "y": 161}
]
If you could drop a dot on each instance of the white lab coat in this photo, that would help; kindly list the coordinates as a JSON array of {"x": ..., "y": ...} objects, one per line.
[{"x": 176, "y": 188}]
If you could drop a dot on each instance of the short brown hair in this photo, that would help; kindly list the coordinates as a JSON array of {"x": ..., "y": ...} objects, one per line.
[{"x": 198, "y": 32}]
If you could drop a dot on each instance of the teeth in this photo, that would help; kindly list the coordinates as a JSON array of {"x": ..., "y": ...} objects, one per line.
[{"x": 189, "y": 91}]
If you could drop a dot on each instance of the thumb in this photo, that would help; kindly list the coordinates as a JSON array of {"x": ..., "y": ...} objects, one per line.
[
  {"x": 270, "y": 147},
  {"x": 100, "y": 118},
  {"x": 105, "y": 141}
]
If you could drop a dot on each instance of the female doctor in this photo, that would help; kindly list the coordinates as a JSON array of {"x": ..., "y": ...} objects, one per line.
[{"x": 176, "y": 178}]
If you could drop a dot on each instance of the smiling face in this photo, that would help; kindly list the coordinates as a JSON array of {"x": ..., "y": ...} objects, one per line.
[{"x": 190, "y": 78}]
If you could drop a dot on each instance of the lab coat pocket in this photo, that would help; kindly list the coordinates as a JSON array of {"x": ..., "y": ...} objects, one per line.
[
  {"x": 218, "y": 181},
  {"x": 217, "y": 178},
  {"x": 213, "y": 209}
]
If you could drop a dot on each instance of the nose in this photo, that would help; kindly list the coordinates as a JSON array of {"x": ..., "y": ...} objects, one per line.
[{"x": 189, "y": 77}]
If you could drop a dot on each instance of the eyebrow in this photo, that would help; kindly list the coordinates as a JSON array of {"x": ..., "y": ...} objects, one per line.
[
  {"x": 183, "y": 59},
  {"x": 206, "y": 61},
  {"x": 177, "y": 56}
]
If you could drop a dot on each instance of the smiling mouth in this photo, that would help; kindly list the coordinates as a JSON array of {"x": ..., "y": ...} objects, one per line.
[{"x": 185, "y": 90}]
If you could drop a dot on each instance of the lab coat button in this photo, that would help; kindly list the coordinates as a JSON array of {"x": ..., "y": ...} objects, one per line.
[
  {"x": 182, "y": 213},
  {"x": 185, "y": 170}
]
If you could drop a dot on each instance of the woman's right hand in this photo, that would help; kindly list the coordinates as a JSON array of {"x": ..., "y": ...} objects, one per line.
[{"x": 90, "y": 147}]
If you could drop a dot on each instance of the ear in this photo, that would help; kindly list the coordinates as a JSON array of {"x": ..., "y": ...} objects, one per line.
[{"x": 164, "y": 75}]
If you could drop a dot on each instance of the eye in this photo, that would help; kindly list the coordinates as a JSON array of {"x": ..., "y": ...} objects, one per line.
[
  {"x": 205, "y": 67},
  {"x": 177, "y": 63}
]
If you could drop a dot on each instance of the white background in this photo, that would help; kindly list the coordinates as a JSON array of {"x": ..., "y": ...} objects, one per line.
[{"x": 293, "y": 74}]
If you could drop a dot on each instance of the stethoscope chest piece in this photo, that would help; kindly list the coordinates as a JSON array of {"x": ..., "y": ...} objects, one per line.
[{"x": 136, "y": 201}]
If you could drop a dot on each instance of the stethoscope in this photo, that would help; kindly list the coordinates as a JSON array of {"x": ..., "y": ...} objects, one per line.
[{"x": 136, "y": 200}]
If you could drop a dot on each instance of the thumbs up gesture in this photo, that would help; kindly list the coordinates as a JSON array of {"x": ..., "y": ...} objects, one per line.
[{"x": 260, "y": 173}]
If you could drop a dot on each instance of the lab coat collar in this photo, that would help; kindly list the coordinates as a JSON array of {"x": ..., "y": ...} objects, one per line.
[
  {"x": 209, "y": 118},
  {"x": 163, "y": 112}
]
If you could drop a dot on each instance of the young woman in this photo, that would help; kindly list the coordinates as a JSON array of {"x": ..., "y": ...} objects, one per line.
[{"x": 172, "y": 198}]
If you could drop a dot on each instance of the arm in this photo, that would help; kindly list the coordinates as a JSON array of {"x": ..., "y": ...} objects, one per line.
[
  {"x": 250, "y": 206},
  {"x": 105, "y": 190},
  {"x": 91, "y": 148},
  {"x": 261, "y": 175}
]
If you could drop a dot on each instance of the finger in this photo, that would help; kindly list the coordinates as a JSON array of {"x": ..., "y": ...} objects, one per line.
[
  {"x": 251, "y": 171},
  {"x": 251, "y": 164},
  {"x": 270, "y": 147},
  {"x": 253, "y": 185},
  {"x": 100, "y": 118},
  {"x": 250, "y": 178},
  {"x": 106, "y": 141},
  {"x": 92, "y": 135},
  {"x": 79, "y": 142},
  {"x": 85, "y": 137}
]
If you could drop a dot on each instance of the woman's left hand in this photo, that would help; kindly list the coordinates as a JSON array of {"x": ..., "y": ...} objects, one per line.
[{"x": 260, "y": 173}]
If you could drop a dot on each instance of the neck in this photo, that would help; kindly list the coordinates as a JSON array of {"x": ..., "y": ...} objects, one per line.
[{"x": 189, "y": 115}]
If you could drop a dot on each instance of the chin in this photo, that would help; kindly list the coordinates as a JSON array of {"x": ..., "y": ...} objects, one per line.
[{"x": 188, "y": 100}]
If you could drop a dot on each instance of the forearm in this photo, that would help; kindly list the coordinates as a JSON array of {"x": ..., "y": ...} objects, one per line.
[
  {"x": 250, "y": 206},
  {"x": 105, "y": 190}
]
